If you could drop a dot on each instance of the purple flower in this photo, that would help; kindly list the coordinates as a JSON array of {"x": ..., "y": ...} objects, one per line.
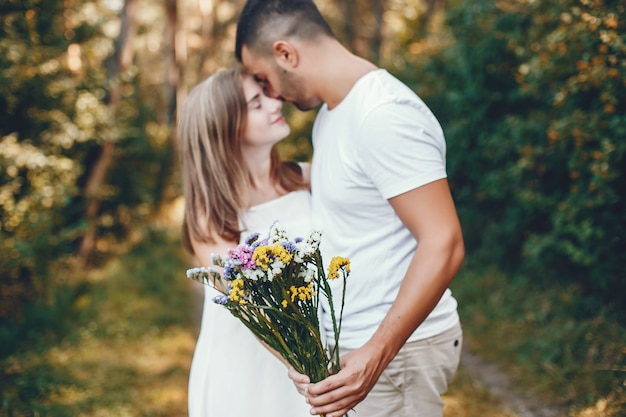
[
  {"x": 258, "y": 243},
  {"x": 221, "y": 299},
  {"x": 252, "y": 238},
  {"x": 229, "y": 269},
  {"x": 298, "y": 240},
  {"x": 289, "y": 246}
]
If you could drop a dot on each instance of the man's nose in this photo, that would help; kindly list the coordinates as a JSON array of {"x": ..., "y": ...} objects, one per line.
[{"x": 271, "y": 92}]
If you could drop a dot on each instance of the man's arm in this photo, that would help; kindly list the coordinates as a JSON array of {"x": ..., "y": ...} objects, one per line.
[{"x": 429, "y": 213}]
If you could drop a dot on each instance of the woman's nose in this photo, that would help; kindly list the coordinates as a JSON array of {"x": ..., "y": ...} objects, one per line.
[{"x": 276, "y": 104}]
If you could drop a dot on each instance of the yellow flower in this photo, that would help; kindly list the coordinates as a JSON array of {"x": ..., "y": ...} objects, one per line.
[
  {"x": 301, "y": 293},
  {"x": 236, "y": 293},
  {"x": 284, "y": 303},
  {"x": 265, "y": 255},
  {"x": 306, "y": 293},
  {"x": 261, "y": 256},
  {"x": 281, "y": 253},
  {"x": 335, "y": 264}
]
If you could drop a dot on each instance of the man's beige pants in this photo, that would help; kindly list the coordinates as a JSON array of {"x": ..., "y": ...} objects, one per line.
[{"x": 414, "y": 381}]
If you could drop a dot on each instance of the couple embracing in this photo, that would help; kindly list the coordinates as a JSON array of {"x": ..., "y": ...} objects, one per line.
[{"x": 377, "y": 190}]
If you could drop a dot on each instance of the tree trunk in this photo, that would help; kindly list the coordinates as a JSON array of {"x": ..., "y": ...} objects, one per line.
[
  {"x": 378, "y": 8},
  {"x": 175, "y": 57},
  {"x": 119, "y": 61},
  {"x": 209, "y": 28},
  {"x": 348, "y": 10},
  {"x": 424, "y": 20}
]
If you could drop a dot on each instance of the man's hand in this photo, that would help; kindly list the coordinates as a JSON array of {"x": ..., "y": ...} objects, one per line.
[{"x": 338, "y": 394}]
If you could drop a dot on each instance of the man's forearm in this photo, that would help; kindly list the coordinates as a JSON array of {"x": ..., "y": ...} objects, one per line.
[{"x": 432, "y": 269}]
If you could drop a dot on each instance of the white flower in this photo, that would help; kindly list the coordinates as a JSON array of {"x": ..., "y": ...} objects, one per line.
[
  {"x": 203, "y": 274},
  {"x": 216, "y": 259},
  {"x": 253, "y": 274},
  {"x": 276, "y": 268},
  {"x": 277, "y": 234},
  {"x": 297, "y": 256},
  {"x": 307, "y": 274},
  {"x": 308, "y": 247},
  {"x": 201, "y": 271},
  {"x": 314, "y": 239}
]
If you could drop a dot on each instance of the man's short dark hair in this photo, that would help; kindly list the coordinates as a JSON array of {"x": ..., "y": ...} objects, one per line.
[{"x": 263, "y": 21}]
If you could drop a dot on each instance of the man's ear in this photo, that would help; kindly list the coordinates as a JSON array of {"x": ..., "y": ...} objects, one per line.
[{"x": 285, "y": 54}]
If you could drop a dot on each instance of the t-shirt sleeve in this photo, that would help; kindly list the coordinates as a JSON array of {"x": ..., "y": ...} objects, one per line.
[{"x": 401, "y": 147}]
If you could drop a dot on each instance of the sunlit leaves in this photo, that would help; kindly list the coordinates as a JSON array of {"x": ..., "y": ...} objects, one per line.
[
  {"x": 40, "y": 186},
  {"x": 53, "y": 100}
]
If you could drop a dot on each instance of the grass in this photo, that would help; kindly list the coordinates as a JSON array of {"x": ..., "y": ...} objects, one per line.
[
  {"x": 121, "y": 342},
  {"x": 125, "y": 349}
]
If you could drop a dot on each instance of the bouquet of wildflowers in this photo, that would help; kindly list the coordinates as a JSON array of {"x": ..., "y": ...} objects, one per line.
[{"x": 273, "y": 286}]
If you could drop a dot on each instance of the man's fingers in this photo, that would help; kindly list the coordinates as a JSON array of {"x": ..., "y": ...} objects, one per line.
[
  {"x": 331, "y": 383},
  {"x": 333, "y": 409}
]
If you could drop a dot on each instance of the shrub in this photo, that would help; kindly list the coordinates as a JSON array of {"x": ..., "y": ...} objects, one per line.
[{"x": 532, "y": 98}]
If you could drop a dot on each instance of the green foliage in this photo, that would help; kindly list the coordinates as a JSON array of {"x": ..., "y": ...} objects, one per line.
[
  {"x": 552, "y": 340},
  {"x": 55, "y": 98},
  {"x": 532, "y": 98},
  {"x": 38, "y": 176}
]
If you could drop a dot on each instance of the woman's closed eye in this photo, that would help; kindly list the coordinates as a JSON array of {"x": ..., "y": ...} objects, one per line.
[{"x": 255, "y": 102}]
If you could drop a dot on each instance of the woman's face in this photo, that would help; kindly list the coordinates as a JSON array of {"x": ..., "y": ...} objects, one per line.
[{"x": 265, "y": 124}]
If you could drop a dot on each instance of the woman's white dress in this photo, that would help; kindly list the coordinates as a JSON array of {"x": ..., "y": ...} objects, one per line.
[{"x": 232, "y": 374}]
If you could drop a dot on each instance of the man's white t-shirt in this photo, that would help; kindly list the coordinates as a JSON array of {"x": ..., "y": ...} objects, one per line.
[{"x": 379, "y": 142}]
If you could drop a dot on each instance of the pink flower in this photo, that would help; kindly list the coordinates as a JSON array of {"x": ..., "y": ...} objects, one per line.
[{"x": 242, "y": 254}]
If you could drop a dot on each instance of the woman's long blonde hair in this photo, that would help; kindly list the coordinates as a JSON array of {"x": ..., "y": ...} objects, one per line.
[{"x": 215, "y": 177}]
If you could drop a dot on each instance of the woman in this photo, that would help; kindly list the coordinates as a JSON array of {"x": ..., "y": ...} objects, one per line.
[{"x": 235, "y": 184}]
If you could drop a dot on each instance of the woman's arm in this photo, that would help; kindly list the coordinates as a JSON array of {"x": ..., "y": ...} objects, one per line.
[{"x": 204, "y": 250}]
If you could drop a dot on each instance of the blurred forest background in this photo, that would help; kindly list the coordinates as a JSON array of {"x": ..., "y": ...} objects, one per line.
[{"x": 531, "y": 95}]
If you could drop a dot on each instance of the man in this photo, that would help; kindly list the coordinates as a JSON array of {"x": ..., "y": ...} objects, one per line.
[{"x": 381, "y": 198}]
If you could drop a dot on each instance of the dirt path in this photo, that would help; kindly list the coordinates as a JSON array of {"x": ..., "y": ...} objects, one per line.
[{"x": 497, "y": 382}]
